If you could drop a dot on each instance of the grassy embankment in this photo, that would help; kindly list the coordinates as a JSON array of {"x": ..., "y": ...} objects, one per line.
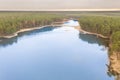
[
  {"x": 107, "y": 26},
  {"x": 10, "y": 22}
]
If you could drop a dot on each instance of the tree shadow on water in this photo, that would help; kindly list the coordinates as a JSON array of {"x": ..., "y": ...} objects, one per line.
[
  {"x": 5, "y": 42},
  {"x": 92, "y": 39}
]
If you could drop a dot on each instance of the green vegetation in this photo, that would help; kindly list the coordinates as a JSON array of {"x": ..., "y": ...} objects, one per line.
[
  {"x": 116, "y": 41},
  {"x": 105, "y": 25},
  {"x": 100, "y": 24},
  {"x": 11, "y": 22}
]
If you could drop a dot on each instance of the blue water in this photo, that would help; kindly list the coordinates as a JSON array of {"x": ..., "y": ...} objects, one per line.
[
  {"x": 53, "y": 54},
  {"x": 71, "y": 23}
]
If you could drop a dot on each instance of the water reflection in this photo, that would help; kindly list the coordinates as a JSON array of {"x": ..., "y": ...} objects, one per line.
[
  {"x": 5, "y": 42},
  {"x": 113, "y": 59},
  {"x": 62, "y": 54},
  {"x": 93, "y": 39}
]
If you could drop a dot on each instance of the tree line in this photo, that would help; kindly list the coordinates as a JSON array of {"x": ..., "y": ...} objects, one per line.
[{"x": 12, "y": 22}]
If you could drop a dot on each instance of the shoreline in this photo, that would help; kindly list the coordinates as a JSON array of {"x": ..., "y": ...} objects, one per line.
[
  {"x": 114, "y": 57},
  {"x": 114, "y": 63},
  {"x": 91, "y": 33},
  {"x": 28, "y": 29},
  {"x": 23, "y": 30},
  {"x": 35, "y": 28}
]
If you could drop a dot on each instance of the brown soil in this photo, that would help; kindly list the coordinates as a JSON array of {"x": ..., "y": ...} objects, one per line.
[{"x": 114, "y": 63}]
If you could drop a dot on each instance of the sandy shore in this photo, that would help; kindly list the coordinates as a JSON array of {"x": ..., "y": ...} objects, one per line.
[
  {"x": 22, "y": 30},
  {"x": 30, "y": 29},
  {"x": 91, "y": 33},
  {"x": 35, "y": 28},
  {"x": 114, "y": 63},
  {"x": 114, "y": 58}
]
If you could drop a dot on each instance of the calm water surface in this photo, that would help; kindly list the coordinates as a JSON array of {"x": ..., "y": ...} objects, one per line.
[{"x": 53, "y": 54}]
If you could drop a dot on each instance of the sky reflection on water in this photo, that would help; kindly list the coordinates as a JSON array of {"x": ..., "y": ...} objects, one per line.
[{"x": 55, "y": 54}]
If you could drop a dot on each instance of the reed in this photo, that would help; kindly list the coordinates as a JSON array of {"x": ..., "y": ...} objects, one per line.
[
  {"x": 105, "y": 25},
  {"x": 11, "y": 22}
]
